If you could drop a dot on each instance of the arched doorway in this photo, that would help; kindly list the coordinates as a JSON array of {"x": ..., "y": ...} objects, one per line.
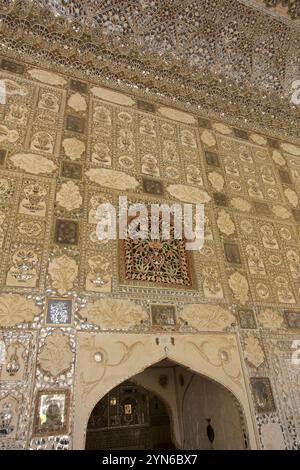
[
  {"x": 167, "y": 404},
  {"x": 106, "y": 360},
  {"x": 129, "y": 417}
]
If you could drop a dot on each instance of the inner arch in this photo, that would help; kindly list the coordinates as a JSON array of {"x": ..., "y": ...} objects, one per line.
[{"x": 167, "y": 406}]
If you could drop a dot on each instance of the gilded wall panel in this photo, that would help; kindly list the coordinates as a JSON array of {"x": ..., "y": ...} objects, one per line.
[{"x": 67, "y": 146}]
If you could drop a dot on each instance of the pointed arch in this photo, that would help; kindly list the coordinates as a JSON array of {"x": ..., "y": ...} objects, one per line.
[{"x": 215, "y": 356}]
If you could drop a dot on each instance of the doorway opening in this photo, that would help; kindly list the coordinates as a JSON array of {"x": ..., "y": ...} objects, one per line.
[
  {"x": 167, "y": 406},
  {"x": 129, "y": 417}
]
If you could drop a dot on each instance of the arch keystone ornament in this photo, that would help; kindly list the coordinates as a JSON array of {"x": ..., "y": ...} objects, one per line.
[{"x": 123, "y": 356}]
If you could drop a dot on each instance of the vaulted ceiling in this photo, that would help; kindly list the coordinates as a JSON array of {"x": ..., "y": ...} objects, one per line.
[
  {"x": 225, "y": 36},
  {"x": 284, "y": 8},
  {"x": 235, "y": 57}
]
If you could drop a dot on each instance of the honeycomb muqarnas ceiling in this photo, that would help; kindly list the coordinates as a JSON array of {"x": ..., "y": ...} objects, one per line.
[{"x": 227, "y": 36}]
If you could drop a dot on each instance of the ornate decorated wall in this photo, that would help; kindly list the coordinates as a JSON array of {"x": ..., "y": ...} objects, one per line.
[{"x": 69, "y": 142}]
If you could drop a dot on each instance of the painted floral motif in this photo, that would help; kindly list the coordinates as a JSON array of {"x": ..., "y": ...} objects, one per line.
[
  {"x": 73, "y": 147},
  {"x": 290, "y": 148},
  {"x": 253, "y": 351},
  {"x": 77, "y": 102},
  {"x": 194, "y": 175},
  {"x": 13, "y": 88},
  {"x": 207, "y": 317},
  {"x": 293, "y": 259},
  {"x": 216, "y": 180},
  {"x": 63, "y": 272},
  {"x": 69, "y": 196},
  {"x": 225, "y": 223},
  {"x": 102, "y": 115},
  {"x": 34, "y": 201},
  {"x": 17, "y": 114},
  {"x": 176, "y": 115},
  {"x": 150, "y": 165},
  {"x": 270, "y": 318},
  {"x": 258, "y": 139},
  {"x": 188, "y": 139},
  {"x": 47, "y": 77},
  {"x": 284, "y": 292},
  {"x": 33, "y": 163},
  {"x": 241, "y": 204},
  {"x": 2, "y": 220},
  {"x": 262, "y": 290},
  {"x": 49, "y": 101},
  {"x": 99, "y": 277},
  {"x": 278, "y": 158},
  {"x": 170, "y": 152},
  {"x": 15, "y": 309},
  {"x": 281, "y": 212},
  {"x": 23, "y": 270},
  {"x": 222, "y": 128},
  {"x": 268, "y": 237},
  {"x": 56, "y": 355},
  {"x": 208, "y": 138},
  {"x": 212, "y": 286},
  {"x": 188, "y": 193},
  {"x": 112, "y": 179},
  {"x": 239, "y": 286},
  {"x": 255, "y": 262},
  {"x": 109, "y": 314},
  {"x": 292, "y": 197},
  {"x": 101, "y": 154},
  {"x": 42, "y": 142},
  {"x": 8, "y": 135},
  {"x": 112, "y": 96}
]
